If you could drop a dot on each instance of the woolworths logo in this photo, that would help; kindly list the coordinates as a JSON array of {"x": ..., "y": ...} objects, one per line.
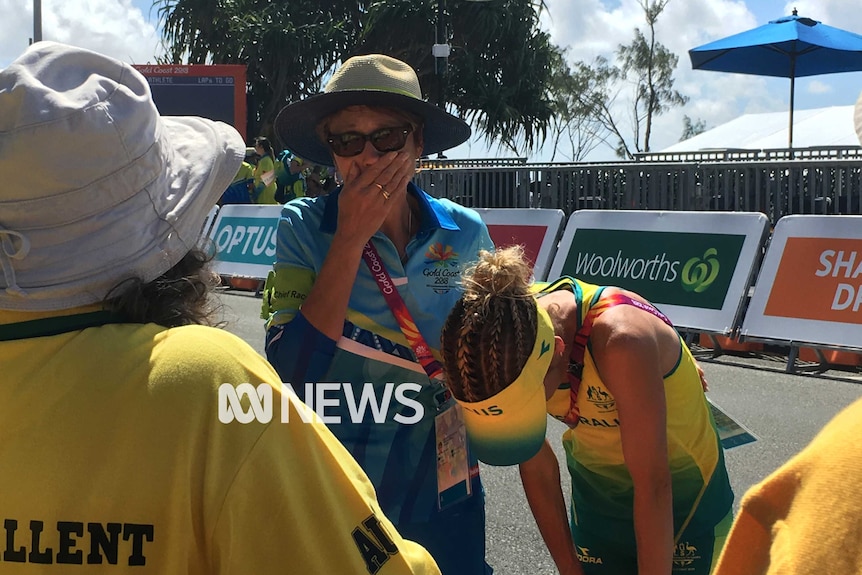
[
  {"x": 699, "y": 273},
  {"x": 685, "y": 269}
]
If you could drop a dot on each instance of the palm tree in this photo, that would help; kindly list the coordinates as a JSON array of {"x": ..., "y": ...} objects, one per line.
[{"x": 499, "y": 71}]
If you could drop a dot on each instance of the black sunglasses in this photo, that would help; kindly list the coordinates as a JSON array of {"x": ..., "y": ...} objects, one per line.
[{"x": 384, "y": 140}]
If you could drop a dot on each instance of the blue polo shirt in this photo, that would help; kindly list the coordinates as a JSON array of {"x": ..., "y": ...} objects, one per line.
[{"x": 400, "y": 458}]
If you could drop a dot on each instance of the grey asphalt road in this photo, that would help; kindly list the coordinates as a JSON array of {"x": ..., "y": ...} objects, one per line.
[{"x": 784, "y": 411}]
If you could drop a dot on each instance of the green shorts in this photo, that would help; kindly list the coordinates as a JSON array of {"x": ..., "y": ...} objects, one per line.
[{"x": 692, "y": 554}]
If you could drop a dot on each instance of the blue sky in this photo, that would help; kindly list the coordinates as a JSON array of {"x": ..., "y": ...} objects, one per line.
[{"x": 126, "y": 29}]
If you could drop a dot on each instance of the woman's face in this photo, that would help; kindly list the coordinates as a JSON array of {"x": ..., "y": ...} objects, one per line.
[{"x": 363, "y": 121}]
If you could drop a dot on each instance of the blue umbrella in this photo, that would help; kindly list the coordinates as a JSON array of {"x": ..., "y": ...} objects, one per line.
[{"x": 789, "y": 47}]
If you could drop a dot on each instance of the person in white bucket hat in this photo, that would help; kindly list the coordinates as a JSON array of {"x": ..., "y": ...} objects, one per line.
[
  {"x": 362, "y": 281},
  {"x": 130, "y": 434}
]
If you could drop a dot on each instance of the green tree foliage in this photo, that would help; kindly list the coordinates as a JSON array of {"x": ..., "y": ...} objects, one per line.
[
  {"x": 288, "y": 47},
  {"x": 690, "y": 128},
  {"x": 650, "y": 66},
  {"x": 646, "y": 68},
  {"x": 577, "y": 109},
  {"x": 499, "y": 69}
]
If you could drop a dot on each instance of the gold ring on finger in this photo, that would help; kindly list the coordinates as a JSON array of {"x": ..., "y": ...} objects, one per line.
[{"x": 383, "y": 190}]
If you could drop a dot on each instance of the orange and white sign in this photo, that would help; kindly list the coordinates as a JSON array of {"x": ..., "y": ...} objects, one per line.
[
  {"x": 810, "y": 285},
  {"x": 818, "y": 278}
]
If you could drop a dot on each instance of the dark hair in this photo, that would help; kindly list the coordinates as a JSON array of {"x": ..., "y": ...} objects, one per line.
[
  {"x": 490, "y": 332},
  {"x": 178, "y": 297},
  {"x": 267, "y": 147}
]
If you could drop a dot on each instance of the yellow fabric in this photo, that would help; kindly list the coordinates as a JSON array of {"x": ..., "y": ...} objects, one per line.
[
  {"x": 509, "y": 427},
  {"x": 601, "y": 479},
  {"x": 111, "y": 450},
  {"x": 283, "y": 293},
  {"x": 265, "y": 194},
  {"x": 245, "y": 172},
  {"x": 805, "y": 518}
]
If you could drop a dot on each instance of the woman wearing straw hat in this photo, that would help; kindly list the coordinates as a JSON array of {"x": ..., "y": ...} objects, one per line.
[
  {"x": 650, "y": 492},
  {"x": 362, "y": 280},
  {"x": 118, "y": 443}
]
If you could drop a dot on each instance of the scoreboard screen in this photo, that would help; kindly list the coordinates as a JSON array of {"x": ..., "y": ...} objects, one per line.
[{"x": 214, "y": 91}]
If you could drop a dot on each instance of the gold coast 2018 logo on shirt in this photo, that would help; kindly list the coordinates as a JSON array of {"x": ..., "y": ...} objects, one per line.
[{"x": 441, "y": 268}]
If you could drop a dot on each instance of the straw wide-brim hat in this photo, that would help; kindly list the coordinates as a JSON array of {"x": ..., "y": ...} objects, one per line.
[
  {"x": 97, "y": 186},
  {"x": 370, "y": 80}
]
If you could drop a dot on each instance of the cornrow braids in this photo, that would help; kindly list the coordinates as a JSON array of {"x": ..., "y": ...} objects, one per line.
[
  {"x": 489, "y": 334},
  {"x": 469, "y": 368},
  {"x": 525, "y": 321}
]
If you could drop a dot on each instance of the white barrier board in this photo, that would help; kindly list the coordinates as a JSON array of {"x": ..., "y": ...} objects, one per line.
[
  {"x": 810, "y": 285},
  {"x": 535, "y": 229},
  {"x": 695, "y": 266}
]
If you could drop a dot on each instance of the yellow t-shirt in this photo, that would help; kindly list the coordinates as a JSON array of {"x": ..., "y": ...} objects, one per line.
[
  {"x": 245, "y": 172},
  {"x": 113, "y": 455},
  {"x": 265, "y": 193},
  {"x": 805, "y": 518}
]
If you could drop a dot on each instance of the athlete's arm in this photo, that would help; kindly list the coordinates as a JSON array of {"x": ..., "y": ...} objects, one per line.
[
  {"x": 630, "y": 359},
  {"x": 540, "y": 476}
]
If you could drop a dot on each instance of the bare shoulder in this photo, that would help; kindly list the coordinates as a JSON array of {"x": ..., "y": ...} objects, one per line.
[{"x": 627, "y": 332}]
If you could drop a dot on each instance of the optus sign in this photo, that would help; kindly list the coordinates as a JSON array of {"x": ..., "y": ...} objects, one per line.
[
  {"x": 819, "y": 279},
  {"x": 677, "y": 268},
  {"x": 246, "y": 239}
]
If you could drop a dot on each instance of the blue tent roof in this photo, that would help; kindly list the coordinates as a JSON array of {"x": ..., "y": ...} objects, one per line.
[{"x": 775, "y": 48}]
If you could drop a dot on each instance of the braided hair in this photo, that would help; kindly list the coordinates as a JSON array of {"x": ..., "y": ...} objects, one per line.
[{"x": 489, "y": 334}]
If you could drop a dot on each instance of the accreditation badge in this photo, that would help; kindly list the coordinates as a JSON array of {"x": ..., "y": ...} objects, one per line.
[{"x": 453, "y": 464}]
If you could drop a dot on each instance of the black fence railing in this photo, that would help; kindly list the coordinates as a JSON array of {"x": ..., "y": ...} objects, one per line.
[{"x": 775, "y": 187}]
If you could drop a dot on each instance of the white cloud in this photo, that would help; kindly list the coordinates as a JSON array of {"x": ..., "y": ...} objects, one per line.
[
  {"x": 588, "y": 28},
  {"x": 114, "y": 27},
  {"x": 818, "y": 87}
]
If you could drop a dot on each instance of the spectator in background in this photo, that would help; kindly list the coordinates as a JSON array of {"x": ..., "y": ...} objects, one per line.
[
  {"x": 239, "y": 191},
  {"x": 650, "y": 492},
  {"x": 246, "y": 169},
  {"x": 290, "y": 177},
  {"x": 805, "y": 518},
  {"x": 329, "y": 319},
  {"x": 112, "y": 391},
  {"x": 264, "y": 173}
]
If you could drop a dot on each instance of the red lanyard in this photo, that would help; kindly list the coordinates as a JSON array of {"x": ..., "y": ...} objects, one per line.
[{"x": 402, "y": 315}]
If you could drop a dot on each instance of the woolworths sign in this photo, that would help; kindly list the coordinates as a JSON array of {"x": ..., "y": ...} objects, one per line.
[
  {"x": 678, "y": 268},
  {"x": 697, "y": 266}
]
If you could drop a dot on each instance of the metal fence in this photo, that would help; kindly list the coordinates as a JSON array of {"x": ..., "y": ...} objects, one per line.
[{"x": 777, "y": 187}]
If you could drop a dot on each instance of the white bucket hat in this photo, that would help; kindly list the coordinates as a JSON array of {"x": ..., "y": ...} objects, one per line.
[{"x": 95, "y": 186}]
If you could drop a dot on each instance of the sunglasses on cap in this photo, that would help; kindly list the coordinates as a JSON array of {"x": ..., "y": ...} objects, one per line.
[{"x": 384, "y": 140}]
